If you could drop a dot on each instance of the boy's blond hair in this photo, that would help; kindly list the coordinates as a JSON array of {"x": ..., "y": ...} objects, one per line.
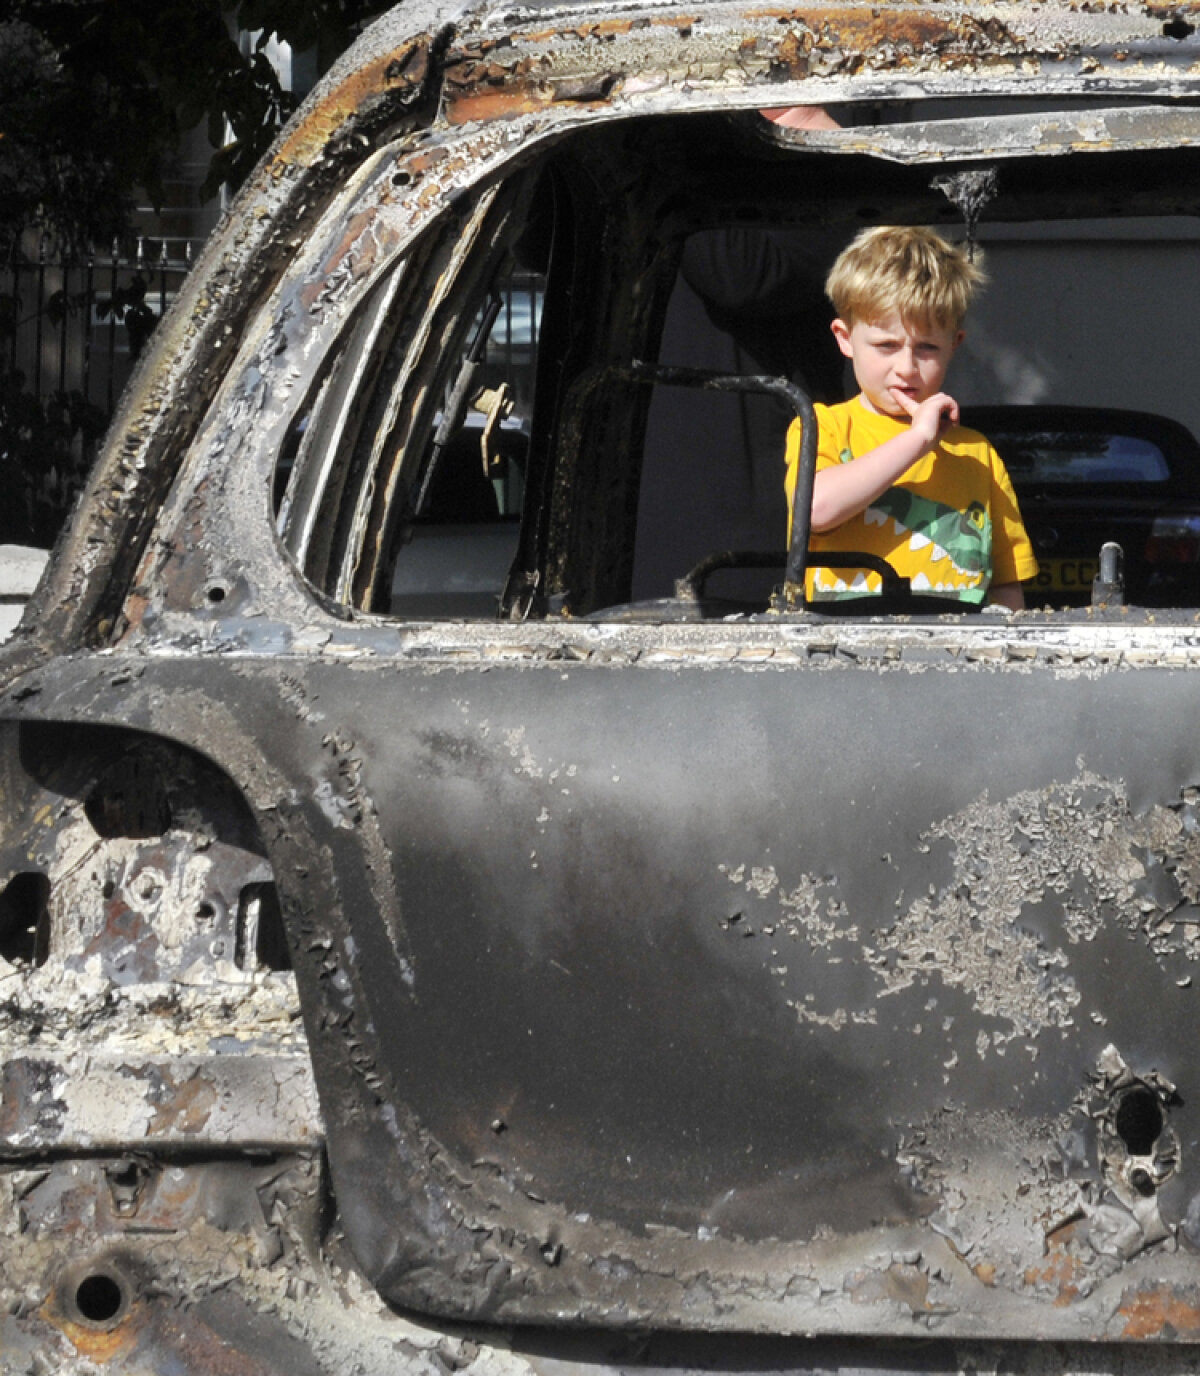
[{"x": 906, "y": 269}]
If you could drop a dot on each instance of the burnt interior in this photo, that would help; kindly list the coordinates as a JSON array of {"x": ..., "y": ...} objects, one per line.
[{"x": 562, "y": 504}]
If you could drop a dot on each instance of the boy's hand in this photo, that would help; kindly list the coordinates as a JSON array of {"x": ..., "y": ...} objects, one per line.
[
  {"x": 843, "y": 490},
  {"x": 929, "y": 417}
]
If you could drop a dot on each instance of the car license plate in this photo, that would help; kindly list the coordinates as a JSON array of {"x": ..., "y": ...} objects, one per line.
[{"x": 1066, "y": 575}]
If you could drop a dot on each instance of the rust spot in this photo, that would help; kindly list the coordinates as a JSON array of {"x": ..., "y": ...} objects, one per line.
[
  {"x": 477, "y": 90},
  {"x": 421, "y": 162},
  {"x": 1163, "y": 1313},
  {"x": 136, "y": 607},
  {"x": 127, "y": 933},
  {"x": 1061, "y": 1270},
  {"x": 889, "y": 28},
  {"x": 185, "y": 1107},
  {"x": 792, "y": 54},
  {"x": 101, "y": 1344},
  {"x": 902, "y": 1284},
  {"x": 403, "y": 70},
  {"x": 497, "y": 105}
]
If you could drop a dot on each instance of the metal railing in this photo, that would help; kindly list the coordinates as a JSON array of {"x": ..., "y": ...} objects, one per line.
[
  {"x": 78, "y": 322},
  {"x": 71, "y": 329}
]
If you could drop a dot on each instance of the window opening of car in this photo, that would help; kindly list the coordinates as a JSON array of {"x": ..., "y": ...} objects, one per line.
[
  {"x": 350, "y": 459},
  {"x": 405, "y": 486}
]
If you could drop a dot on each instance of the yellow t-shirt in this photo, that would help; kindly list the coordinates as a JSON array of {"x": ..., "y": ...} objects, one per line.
[{"x": 951, "y": 525}]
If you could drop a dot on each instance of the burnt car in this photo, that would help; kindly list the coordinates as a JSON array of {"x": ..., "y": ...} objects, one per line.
[
  {"x": 459, "y": 908},
  {"x": 1089, "y": 476}
]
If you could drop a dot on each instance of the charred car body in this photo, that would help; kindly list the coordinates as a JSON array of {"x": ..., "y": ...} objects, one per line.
[{"x": 450, "y": 919}]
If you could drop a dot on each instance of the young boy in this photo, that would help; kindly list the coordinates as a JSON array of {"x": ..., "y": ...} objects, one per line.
[{"x": 897, "y": 476}]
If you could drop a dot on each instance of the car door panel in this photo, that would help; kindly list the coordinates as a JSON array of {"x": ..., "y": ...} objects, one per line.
[{"x": 604, "y": 959}]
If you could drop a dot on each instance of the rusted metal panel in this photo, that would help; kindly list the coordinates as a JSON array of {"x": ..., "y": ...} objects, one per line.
[
  {"x": 626, "y": 59},
  {"x": 393, "y": 80},
  {"x": 94, "y": 1103}
]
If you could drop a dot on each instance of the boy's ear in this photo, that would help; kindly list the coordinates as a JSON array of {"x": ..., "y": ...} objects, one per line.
[{"x": 841, "y": 332}]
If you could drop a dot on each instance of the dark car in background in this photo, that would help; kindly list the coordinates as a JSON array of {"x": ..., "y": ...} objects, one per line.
[
  {"x": 434, "y": 935},
  {"x": 1088, "y": 475}
]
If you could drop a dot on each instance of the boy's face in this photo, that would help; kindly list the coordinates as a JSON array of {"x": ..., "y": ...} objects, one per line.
[{"x": 890, "y": 356}]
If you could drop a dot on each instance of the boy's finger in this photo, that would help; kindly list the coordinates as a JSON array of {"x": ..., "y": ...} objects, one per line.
[
  {"x": 947, "y": 409},
  {"x": 905, "y": 401}
]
